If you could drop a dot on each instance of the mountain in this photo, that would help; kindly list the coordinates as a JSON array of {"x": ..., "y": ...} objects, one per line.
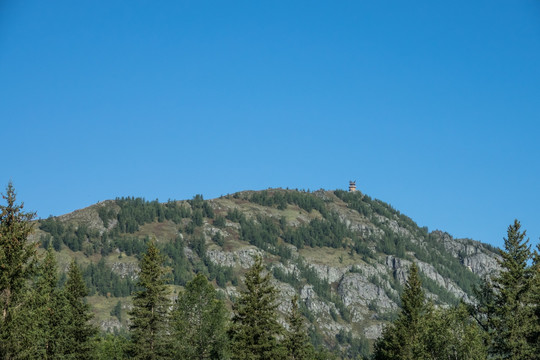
[{"x": 346, "y": 255}]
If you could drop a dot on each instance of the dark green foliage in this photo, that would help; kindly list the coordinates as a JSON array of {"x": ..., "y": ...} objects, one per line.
[
  {"x": 280, "y": 198},
  {"x": 135, "y": 212},
  {"x": 402, "y": 339},
  {"x": 218, "y": 239},
  {"x": 17, "y": 266},
  {"x": 100, "y": 279},
  {"x": 513, "y": 320},
  {"x": 150, "y": 306},
  {"x": 423, "y": 332},
  {"x": 452, "y": 334},
  {"x": 355, "y": 347},
  {"x": 117, "y": 310},
  {"x": 263, "y": 233},
  {"x": 235, "y": 215},
  {"x": 197, "y": 217},
  {"x": 199, "y": 322},
  {"x": 106, "y": 215},
  {"x": 41, "y": 319},
  {"x": 52, "y": 312},
  {"x": 296, "y": 339},
  {"x": 178, "y": 261},
  {"x": 443, "y": 296},
  {"x": 289, "y": 278},
  {"x": 79, "y": 331},
  {"x": 219, "y": 221},
  {"x": 112, "y": 347},
  {"x": 255, "y": 330},
  {"x": 436, "y": 333},
  {"x": 329, "y": 232},
  {"x": 130, "y": 245},
  {"x": 75, "y": 238}
]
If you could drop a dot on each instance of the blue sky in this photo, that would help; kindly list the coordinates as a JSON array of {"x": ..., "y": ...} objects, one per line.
[{"x": 431, "y": 106}]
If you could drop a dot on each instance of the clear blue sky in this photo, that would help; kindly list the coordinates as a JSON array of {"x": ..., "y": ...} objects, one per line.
[{"x": 431, "y": 106}]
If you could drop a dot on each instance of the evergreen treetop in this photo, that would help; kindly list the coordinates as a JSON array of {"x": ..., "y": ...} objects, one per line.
[
  {"x": 255, "y": 329},
  {"x": 149, "y": 316}
]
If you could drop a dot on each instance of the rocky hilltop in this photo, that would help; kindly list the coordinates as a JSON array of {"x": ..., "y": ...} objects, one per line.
[{"x": 346, "y": 255}]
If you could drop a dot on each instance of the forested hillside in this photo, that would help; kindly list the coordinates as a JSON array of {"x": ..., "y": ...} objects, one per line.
[{"x": 336, "y": 267}]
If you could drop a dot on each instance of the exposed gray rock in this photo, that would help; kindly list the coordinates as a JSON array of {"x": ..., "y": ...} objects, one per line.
[
  {"x": 243, "y": 257},
  {"x": 399, "y": 267},
  {"x": 312, "y": 301},
  {"x": 373, "y": 331},
  {"x": 110, "y": 325},
  {"x": 330, "y": 273},
  {"x": 429, "y": 271},
  {"x": 481, "y": 264},
  {"x": 472, "y": 254},
  {"x": 126, "y": 269},
  {"x": 356, "y": 289}
]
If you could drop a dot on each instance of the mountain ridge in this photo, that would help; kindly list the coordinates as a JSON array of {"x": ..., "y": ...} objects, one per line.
[{"x": 346, "y": 254}]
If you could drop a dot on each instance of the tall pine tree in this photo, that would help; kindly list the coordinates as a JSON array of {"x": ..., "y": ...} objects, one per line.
[
  {"x": 403, "y": 339},
  {"x": 80, "y": 332},
  {"x": 514, "y": 319},
  {"x": 296, "y": 339},
  {"x": 200, "y": 321},
  {"x": 452, "y": 334},
  {"x": 149, "y": 316},
  {"x": 51, "y": 312},
  {"x": 255, "y": 330},
  {"x": 17, "y": 265}
]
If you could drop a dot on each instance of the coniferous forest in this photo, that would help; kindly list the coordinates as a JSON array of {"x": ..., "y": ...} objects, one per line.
[{"x": 46, "y": 315}]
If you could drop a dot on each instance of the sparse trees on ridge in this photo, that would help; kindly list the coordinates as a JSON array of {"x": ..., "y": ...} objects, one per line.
[{"x": 41, "y": 319}]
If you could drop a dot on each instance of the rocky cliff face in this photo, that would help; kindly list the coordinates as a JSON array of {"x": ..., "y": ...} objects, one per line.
[{"x": 346, "y": 255}]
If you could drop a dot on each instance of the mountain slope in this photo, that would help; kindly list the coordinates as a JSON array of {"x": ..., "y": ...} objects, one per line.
[{"x": 346, "y": 254}]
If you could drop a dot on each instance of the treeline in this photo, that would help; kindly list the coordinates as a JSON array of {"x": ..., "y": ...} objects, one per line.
[
  {"x": 199, "y": 325},
  {"x": 392, "y": 243},
  {"x": 504, "y": 323},
  {"x": 263, "y": 232},
  {"x": 281, "y": 199},
  {"x": 39, "y": 319}
]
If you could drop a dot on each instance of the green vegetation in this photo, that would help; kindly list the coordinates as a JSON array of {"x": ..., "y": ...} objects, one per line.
[
  {"x": 200, "y": 321},
  {"x": 508, "y": 302},
  {"x": 193, "y": 237},
  {"x": 148, "y": 329},
  {"x": 503, "y": 324},
  {"x": 422, "y": 332},
  {"x": 255, "y": 330}
]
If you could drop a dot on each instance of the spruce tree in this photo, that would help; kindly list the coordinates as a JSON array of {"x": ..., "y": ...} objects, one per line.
[
  {"x": 296, "y": 339},
  {"x": 51, "y": 312},
  {"x": 200, "y": 321},
  {"x": 17, "y": 265},
  {"x": 452, "y": 334},
  {"x": 514, "y": 320},
  {"x": 80, "y": 332},
  {"x": 403, "y": 338},
  {"x": 255, "y": 330},
  {"x": 149, "y": 316}
]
